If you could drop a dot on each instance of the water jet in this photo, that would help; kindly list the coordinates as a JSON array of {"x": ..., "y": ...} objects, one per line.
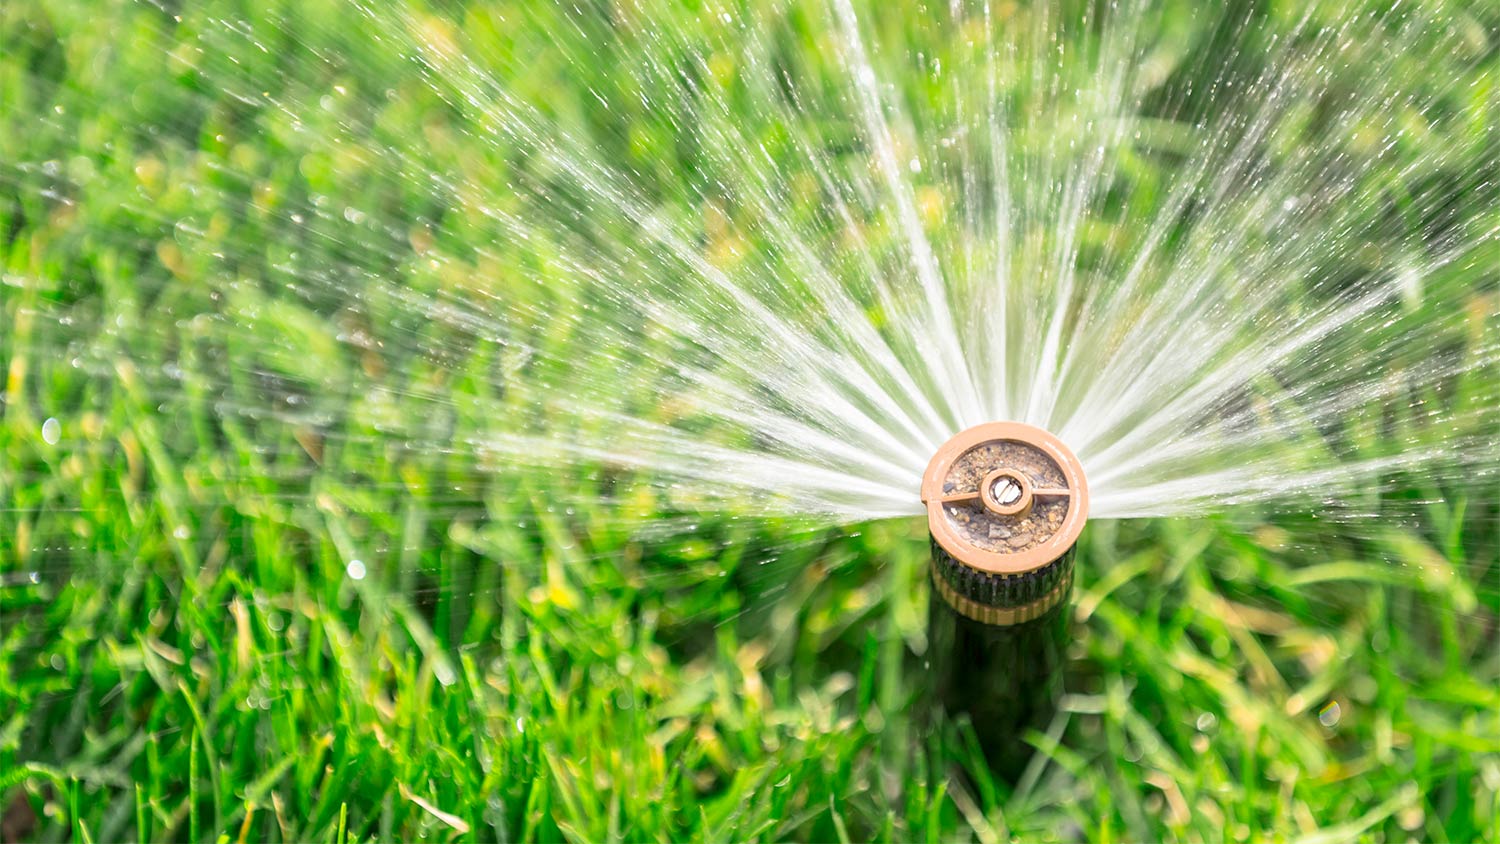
[{"x": 1006, "y": 503}]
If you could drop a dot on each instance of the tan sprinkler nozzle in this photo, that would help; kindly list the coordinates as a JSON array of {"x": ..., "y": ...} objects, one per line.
[
  {"x": 1006, "y": 503},
  {"x": 1005, "y": 498}
]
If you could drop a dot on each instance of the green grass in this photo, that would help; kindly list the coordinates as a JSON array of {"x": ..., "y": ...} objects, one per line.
[{"x": 185, "y": 655}]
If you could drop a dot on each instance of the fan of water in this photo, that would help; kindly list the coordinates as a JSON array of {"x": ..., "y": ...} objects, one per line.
[
  {"x": 786, "y": 251},
  {"x": 867, "y": 268}
]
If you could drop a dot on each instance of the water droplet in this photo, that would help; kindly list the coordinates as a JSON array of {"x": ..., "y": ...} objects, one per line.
[
  {"x": 1409, "y": 284},
  {"x": 1328, "y": 716},
  {"x": 51, "y": 430},
  {"x": 355, "y": 570}
]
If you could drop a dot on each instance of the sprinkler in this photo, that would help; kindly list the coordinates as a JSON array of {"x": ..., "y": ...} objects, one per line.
[{"x": 1006, "y": 503}]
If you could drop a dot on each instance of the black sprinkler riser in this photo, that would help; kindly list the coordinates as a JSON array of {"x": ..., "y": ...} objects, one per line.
[{"x": 1006, "y": 503}]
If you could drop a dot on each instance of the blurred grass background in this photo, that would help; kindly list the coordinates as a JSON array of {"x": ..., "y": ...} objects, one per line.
[{"x": 257, "y": 587}]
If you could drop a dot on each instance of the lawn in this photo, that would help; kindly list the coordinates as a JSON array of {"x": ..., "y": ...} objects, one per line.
[{"x": 260, "y": 581}]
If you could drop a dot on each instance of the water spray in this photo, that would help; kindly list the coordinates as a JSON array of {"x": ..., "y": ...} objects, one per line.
[{"x": 1006, "y": 503}]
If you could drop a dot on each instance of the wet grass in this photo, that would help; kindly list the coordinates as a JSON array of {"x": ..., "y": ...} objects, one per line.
[{"x": 235, "y": 608}]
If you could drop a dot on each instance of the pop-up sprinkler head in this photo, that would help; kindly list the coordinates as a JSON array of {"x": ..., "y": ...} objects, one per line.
[{"x": 1006, "y": 503}]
